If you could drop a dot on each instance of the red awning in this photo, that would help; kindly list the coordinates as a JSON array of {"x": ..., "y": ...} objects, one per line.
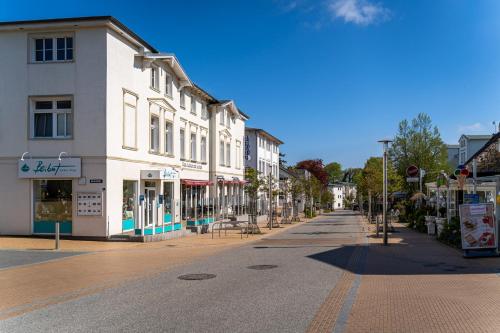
[{"x": 193, "y": 182}]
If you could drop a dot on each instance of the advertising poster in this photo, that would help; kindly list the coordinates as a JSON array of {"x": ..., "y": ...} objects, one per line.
[{"x": 478, "y": 226}]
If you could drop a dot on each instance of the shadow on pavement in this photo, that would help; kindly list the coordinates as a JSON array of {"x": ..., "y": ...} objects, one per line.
[{"x": 415, "y": 254}]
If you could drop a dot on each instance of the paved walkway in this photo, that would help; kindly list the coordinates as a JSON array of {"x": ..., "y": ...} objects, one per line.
[{"x": 420, "y": 285}]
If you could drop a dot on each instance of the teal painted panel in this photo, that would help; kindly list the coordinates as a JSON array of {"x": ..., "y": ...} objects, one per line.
[
  {"x": 49, "y": 227},
  {"x": 177, "y": 226},
  {"x": 128, "y": 224},
  {"x": 167, "y": 218}
]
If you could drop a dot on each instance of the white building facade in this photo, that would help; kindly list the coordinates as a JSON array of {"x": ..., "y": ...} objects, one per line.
[
  {"x": 100, "y": 132},
  {"x": 262, "y": 153}
]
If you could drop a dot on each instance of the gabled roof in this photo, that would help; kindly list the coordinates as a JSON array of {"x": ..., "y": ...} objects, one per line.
[
  {"x": 231, "y": 105},
  {"x": 173, "y": 62},
  {"x": 493, "y": 140},
  {"x": 266, "y": 134},
  {"x": 452, "y": 146}
]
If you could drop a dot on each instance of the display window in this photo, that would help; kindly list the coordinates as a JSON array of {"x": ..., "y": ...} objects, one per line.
[
  {"x": 129, "y": 207},
  {"x": 53, "y": 202}
]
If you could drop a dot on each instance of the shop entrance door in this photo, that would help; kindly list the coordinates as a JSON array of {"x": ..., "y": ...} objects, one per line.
[{"x": 150, "y": 200}]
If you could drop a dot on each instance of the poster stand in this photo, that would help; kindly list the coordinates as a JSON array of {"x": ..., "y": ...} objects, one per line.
[{"x": 479, "y": 230}]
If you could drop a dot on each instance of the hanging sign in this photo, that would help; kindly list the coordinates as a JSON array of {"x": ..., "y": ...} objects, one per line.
[
  {"x": 478, "y": 226},
  {"x": 49, "y": 168}
]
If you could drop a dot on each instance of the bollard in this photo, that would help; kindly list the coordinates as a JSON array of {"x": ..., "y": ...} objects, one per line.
[{"x": 57, "y": 235}]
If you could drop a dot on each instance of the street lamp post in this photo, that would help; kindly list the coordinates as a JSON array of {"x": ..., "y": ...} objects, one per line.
[{"x": 385, "y": 145}]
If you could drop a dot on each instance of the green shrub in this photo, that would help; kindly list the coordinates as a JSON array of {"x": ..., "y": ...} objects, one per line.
[{"x": 451, "y": 233}]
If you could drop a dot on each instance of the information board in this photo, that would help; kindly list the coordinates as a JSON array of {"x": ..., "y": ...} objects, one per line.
[
  {"x": 89, "y": 204},
  {"x": 478, "y": 226}
]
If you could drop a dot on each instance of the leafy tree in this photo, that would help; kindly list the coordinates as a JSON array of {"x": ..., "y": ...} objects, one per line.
[
  {"x": 253, "y": 185},
  {"x": 282, "y": 162},
  {"x": 315, "y": 167},
  {"x": 334, "y": 171},
  {"x": 418, "y": 143},
  {"x": 371, "y": 178}
]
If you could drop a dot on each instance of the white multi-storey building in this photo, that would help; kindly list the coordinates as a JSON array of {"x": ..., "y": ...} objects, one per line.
[
  {"x": 262, "y": 153},
  {"x": 99, "y": 131}
]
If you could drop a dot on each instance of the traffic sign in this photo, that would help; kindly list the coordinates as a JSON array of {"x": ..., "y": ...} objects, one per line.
[
  {"x": 412, "y": 179},
  {"x": 412, "y": 171}
]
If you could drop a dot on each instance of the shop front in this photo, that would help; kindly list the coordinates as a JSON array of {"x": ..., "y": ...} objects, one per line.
[
  {"x": 152, "y": 209},
  {"x": 197, "y": 206},
  {"x": 231, "y": 196},
  {"x": 51, "y": 183}
]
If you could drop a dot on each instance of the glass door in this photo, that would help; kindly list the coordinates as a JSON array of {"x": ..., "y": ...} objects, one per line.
[{"x": 149, "y": 196}]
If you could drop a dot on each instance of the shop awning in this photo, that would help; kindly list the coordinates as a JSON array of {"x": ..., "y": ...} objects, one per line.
[{"x": 194, "y": 182}]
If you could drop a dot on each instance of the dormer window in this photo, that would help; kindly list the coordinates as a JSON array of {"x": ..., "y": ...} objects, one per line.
[
  {"x": 193, "y": 105},
  {"x": 182, "y": 101},
  {"x": 54, "y": 48},
  {"x": 155, "y": 82},
  {"x": 168, "y": 85}
]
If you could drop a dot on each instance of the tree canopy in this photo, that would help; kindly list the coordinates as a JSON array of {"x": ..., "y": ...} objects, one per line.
[
  {"x": 370, "y": 178},
  {"x": 334, "y": 171},
  {"x": 418, "y": 143},
  {"x": 315, "y": 167}
]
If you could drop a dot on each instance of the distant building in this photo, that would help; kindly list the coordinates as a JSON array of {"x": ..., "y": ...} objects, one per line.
[
  {"x": 262, "y": 153},
  {"x": 469, "y": 145},
  {"x": 453, "y": 154},
  {"x": 487, "y": 158}
]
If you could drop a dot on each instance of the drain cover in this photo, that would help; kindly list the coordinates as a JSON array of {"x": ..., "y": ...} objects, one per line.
[
  {"x": 262, "y": 267},
  {"x": 195, "y": 277}
]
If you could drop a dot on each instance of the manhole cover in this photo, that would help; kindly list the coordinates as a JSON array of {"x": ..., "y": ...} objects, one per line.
[
  {"x": 262, "y": 267},
  {"x": 450, "y": 270},
  {"x": 261, "y": 247},
  {"x": 195, "y": 277}
]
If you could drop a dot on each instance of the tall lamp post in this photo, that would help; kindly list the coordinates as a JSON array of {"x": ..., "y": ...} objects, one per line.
[{"x": 385, "y": 145}]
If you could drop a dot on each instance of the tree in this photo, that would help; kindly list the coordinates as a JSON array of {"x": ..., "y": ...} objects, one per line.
[
  {"x": 334, "y": 171},
  {"x": 253, "y": 186},
  {"x": 282, "y": 162},
  {"x": 371, "y": 178},
  {"x": 315, "y": 167},
  {"x": 418, "y": 143}
]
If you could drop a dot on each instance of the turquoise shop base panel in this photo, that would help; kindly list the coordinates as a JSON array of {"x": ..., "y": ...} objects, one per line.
[
  {"x": 49, "y": 227},
  {"x": 128, "y": 224},
  {"x": 158, "y": 230}
]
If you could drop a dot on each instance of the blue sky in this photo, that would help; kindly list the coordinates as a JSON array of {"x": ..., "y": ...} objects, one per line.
[{"x": 328, "y": 77}]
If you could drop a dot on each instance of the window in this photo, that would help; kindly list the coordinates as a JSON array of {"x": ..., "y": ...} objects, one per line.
[
  {"x": 169, "y": 138},
  {"x": 193, "y": 105},
  {"x": 154, "y": 78},
  {"x": 221, "y": 153},
  {"x": 129, "y": 120},
  {"x": 228, "y": 154},
  {"x": 204, "y": 112},
  {"x": 154, "y": 134},
  {"x": 52, "y": 202},
  {"x": 182, "y": 143},
  {"x": 228, "y": 119},
  {"x": 182, "y": 101},
  {"x": 203, "y": 149},
  {"x": 238, "y": 155},
  {"x": 52, "y": 118},
  {"x": 129, "y": 204},
  {"x": 168, "y": 84},
  {"x": 193, "y": 146},
  {"x": 53, "y": 49},
  {"x": 222, "y": 117}
]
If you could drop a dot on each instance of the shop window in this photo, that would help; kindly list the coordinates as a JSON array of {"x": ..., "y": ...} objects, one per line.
[
  {"x": 129, "y": 207},
  {"x": 52, "y": 117},
  {"x": 168, "y": 201},
  {"x": 53, "y": 202}
]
